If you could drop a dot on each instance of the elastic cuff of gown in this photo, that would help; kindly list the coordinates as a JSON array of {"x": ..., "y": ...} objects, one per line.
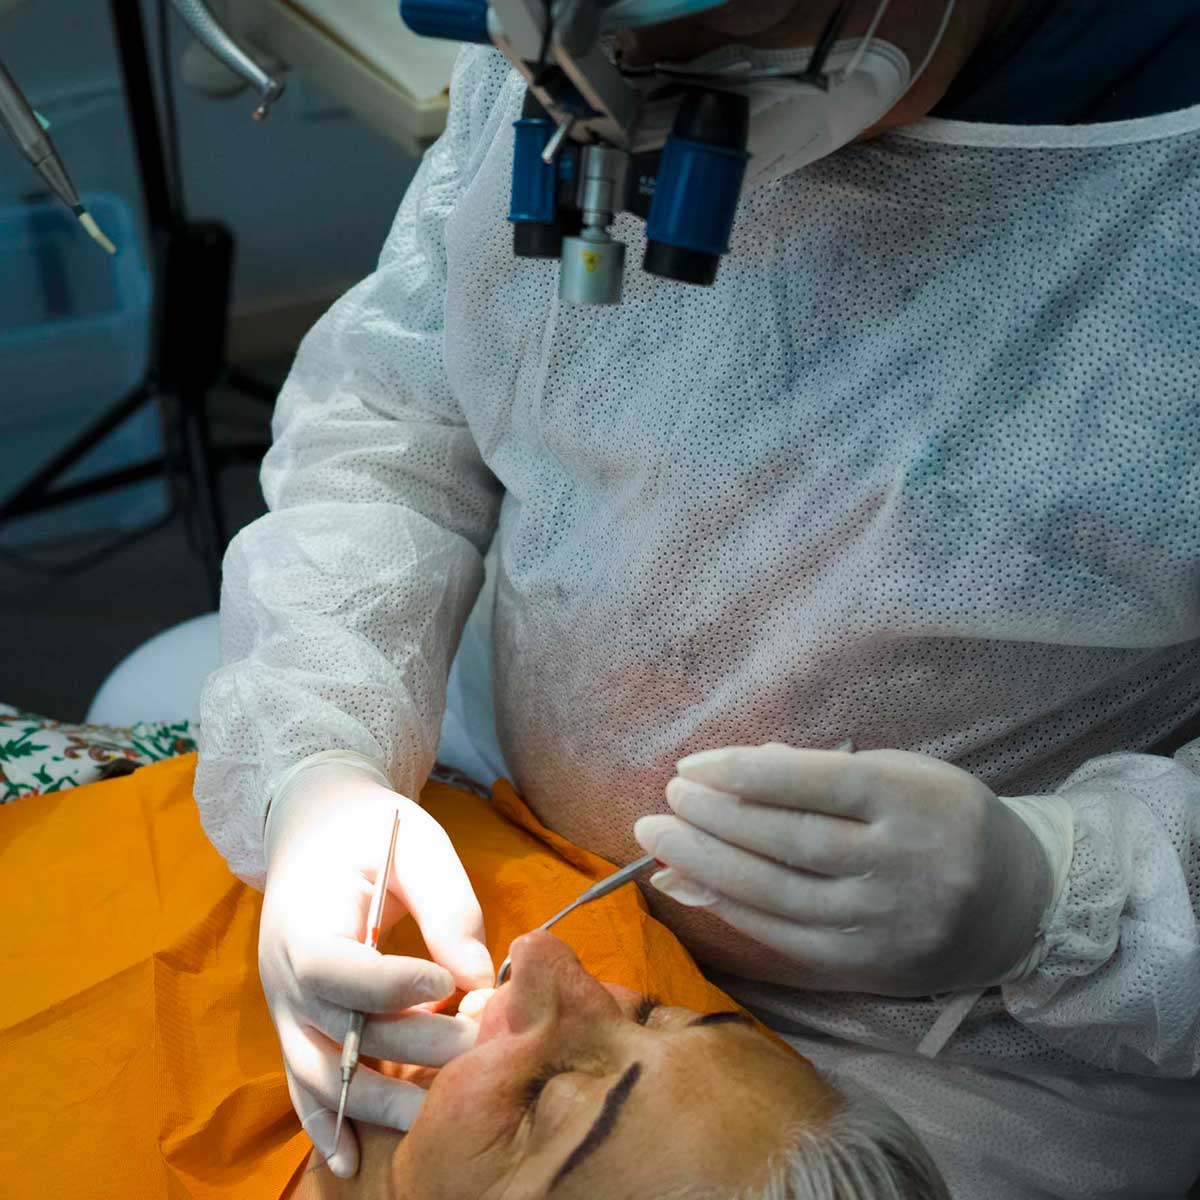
[
  {"x": 345, "y": 758},
  {"x": 1051, "y": 820}
]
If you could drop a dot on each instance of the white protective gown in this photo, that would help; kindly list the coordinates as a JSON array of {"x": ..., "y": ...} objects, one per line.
[{"x": 922, "y": 469}]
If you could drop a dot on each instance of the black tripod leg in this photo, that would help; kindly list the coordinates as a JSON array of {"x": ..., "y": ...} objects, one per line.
[
  {"x": 249, "y": 386},
  {"x": 26, "y": 498},
  {"x": 194, "y": 300},
  {"x": 210, "y": 520},
  {"x": 193, "y": 264}
]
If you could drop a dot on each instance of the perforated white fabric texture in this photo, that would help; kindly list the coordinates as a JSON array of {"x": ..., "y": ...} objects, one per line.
[{"x": 922, "y": 469}]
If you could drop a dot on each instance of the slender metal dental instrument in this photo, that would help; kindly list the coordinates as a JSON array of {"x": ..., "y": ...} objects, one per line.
[
  {"x": 595, "y": 892},
  {"x": 350, "y": 1047}
]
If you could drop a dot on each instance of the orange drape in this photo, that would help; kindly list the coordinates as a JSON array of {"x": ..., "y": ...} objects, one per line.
[{"x": 136, "y": 1054}]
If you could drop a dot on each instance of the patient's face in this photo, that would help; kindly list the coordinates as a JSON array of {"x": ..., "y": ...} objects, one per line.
[{"x": 576, "y": 1089}]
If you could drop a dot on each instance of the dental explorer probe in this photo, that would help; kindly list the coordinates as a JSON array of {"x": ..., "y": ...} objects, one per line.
[
  {"x": 23, "y": 126},
  {"x": 217, "y": 40},
  {"x": 608, "y": 884},
  {"x": 354, "y": 1035},
  {"x": 618, "y": 879}
]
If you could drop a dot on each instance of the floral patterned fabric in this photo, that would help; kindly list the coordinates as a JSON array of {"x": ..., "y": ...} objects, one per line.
[{"x": 38, "y": 755}]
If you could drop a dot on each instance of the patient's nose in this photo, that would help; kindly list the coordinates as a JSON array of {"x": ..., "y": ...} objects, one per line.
[
  {"x": 549, "y": 981},
  {"x": 539, "y": 958}
]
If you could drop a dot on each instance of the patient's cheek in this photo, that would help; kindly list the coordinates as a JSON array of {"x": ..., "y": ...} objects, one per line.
[
  {"x": 423, "y": 1077},
  {"x": 459, "y": 1091}
]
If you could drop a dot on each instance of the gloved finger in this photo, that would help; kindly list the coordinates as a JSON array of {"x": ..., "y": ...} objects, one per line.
[
  {"x": 839, "y": 961},
  {"x": 320, "y": 1123},
  {"x": 438, "y": 894},
  {"x": 415, "y": 1036},
  {"x": 374, "y": 1097},
  {"x": 419, "y": 1038},
  {"x": 352, "y": 976},
  {"x": 807, "y": 841},
  {"x": 380, "y": 1100},
  {"x": 753, "y": 880},
  {"x": 825, "y": 781}
]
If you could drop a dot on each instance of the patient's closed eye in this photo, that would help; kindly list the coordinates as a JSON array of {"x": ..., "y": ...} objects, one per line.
[
  {"x": 645, "y": 1008},
  {"x": 534, "y": 1088}
]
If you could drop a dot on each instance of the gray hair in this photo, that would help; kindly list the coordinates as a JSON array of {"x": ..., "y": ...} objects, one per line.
[{"x": 865, "y": 1151}]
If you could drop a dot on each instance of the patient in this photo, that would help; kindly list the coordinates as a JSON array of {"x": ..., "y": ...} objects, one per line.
[
  {"x": 580, "y": 1089},
  {"x": 133, "y": 1010}
]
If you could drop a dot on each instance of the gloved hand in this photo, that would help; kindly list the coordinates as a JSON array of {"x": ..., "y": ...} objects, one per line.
[
  {"x": 884, "y": 871},
  {"x": 326, "y": 838}
]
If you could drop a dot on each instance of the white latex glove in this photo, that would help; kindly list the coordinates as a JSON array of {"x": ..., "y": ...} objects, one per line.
[
  {"x": 884, "y": 871},
  {"x": 326, "y": 838}
]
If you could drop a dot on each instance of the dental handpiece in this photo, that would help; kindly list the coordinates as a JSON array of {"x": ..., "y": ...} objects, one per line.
[
  {"x": 350, "y": 1047},
  {"x": 217, "y": 40},
  {"x": 608, "y": 884},
  {"x": 22, "y": 125}
]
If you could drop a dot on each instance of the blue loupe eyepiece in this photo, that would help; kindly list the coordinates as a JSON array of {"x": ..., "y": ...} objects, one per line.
[
  {"x": 543, "y": 210},
  {"x": 699, "y": 185}
]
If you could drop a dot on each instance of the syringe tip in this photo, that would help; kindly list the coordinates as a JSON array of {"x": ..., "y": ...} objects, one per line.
[{"x": 95, "y": 232}]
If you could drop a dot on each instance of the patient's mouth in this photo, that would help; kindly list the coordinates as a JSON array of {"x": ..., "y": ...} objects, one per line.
[{"x": 495, "y": 1018}]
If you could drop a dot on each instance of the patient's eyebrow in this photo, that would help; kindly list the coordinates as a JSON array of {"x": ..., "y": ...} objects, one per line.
[
  {"x": 723, "y": 1018},
  {"x": 603, "y": 1125}
]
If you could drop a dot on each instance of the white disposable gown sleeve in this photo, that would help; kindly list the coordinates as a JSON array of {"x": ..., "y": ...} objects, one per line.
[
  {"x": 1119, "y": 986},
  {"x": 341, "y": 608}
]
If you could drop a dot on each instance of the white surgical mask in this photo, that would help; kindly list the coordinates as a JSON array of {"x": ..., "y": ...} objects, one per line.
[{"x": 794, "y": 123}]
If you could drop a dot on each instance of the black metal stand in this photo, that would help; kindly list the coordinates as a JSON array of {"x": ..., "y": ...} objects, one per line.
[{"x": 192, "y": 266}]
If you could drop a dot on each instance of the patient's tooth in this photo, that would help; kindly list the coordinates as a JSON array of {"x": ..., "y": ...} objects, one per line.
[{"x": 473, "y": 1003}]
